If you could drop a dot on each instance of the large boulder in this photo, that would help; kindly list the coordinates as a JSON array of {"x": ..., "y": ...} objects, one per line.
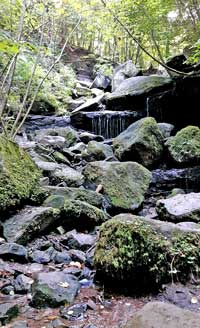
[
  {"x": 184, "y": 147},
  {"x": 142, "y": 142},
  {"x": 159, "y": 314},
  {"x": 54, "y": 289},
  {"x": 180, "y": 208},
  {"x": 19, "y": 176},
  {"x": 144, "y": 253},
  {"x": 28, "y": 223},
  {"x": 69, "y": 134},
  {"x": 124, "y": 184},
  {"x": 133, "y": 92},
  {"x": 123, "y": 72}
]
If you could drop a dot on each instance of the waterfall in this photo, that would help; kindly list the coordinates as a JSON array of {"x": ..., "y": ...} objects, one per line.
[
  {"x": 147, "y": 106},
  {"x": 109, "y": 124}
]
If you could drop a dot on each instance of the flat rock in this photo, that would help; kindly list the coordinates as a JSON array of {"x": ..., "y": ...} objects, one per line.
[
  {"x": 54, "y": 289},
  {"x": 28, "y": 223},
  {"x": 179, "y": 208},
  {"x": 158, "y": 314}
]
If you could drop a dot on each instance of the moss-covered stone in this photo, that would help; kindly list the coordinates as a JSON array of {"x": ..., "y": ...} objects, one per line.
[
  {"x": 82, "y": 216},
  {"x": 142, "y": 142},
  {"x": 184, "y": 147},
  {"x": 147, "y": 252},
  {"x": 124, "y": 184},
  {"x": 19, "y": 176}
]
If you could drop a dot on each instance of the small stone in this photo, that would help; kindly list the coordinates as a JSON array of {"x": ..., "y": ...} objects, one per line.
[
  {"x": 77, "y": 255},
  {"x": 74, "y": 312},
  {"x": 40, "y": 257}
]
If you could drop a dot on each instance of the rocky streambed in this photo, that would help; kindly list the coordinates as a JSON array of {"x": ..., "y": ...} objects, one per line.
[{"x": 92, "y": 229}]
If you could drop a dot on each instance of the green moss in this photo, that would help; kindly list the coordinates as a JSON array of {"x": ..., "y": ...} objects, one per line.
[
  {"x": 185, "y": 146},
  {"x": 131, "y": 249},
  {"x": 18, "y": 176}
]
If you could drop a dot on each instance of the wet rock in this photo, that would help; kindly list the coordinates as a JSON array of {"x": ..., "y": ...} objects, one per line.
[
  {"x": 80, "y": 241},
  {"x": 13, "y": 251},
  {"x": 71, "y": 177},
  {"x": 82, "y": 216},
  {"x": 87, "y": 137},
  {"x": 54, "y": 289},
  {"x": 184, "y": 147},
  {"x": 30, "y": 222},
  {"x": 150, "y": 245},
  {"x": 166, "y": 129},
  {"x": 142, "y": 142},
  {"x": 178, "y": 62},
  {"x": 97, "y": 151},
  {"x": 8, "y": 311},
  {"x": 74, "y": 312},
  {"x": 179, "y": 208},
  {"x": 123, "y": 72},
  {"x": 88, "y": 196},
  {"x": 124, "y": 184},
  {"x": 60, "y": 158},
  {"x": 40, "y": 257},
  {"x": 73, "y": 270},
  {"x": 55, "y": 201},
  {"x": 22, "y": 284},
  {"x": 159, "y": 314},
  {"x": 132, "y": 93}
]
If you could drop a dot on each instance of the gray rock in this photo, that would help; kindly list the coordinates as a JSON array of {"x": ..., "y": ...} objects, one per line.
[
  {"x": 142, "y": 142},
  {"x": 22, "y": 284},
  {"x": 123, "y": 72},
  {"x": 54, "y": 141},
  {"x": 54, "y": 289},
  {"x": 179, "y": 208},
  {"x": 166, "y": 129},
  {"x": 80, "y": 241},
  {"x": 90, "y": 105},
  {"x": 159, "y": 314},
  {"x": 78, "y": 148},
  {"x": 61, "y": 257},
  {"x": 77, "y": 256},
  {"x": 101, "y": 82},
  {"x": 20, "y": 324},
  {"x": 97, "y": 151},
  {"x": 13, "y": 251},
  {"x": 41, "y": 257},
  {"x": 28, "y": 223},
  {"x": 8, "y": 311},
  {"x": 124, "y": 184},
  {"x": 69, "y": 134}
]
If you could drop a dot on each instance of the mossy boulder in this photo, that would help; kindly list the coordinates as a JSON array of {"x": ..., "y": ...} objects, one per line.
[
  {"x": 144, "y": 253},
  {"x": 124, "y": 184},
  {"x": 82, "y": 216},
  {"x": 19, "y": 176},
  {"x": 184, "y": 147},
  {"x": 142, "y": 142}
]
